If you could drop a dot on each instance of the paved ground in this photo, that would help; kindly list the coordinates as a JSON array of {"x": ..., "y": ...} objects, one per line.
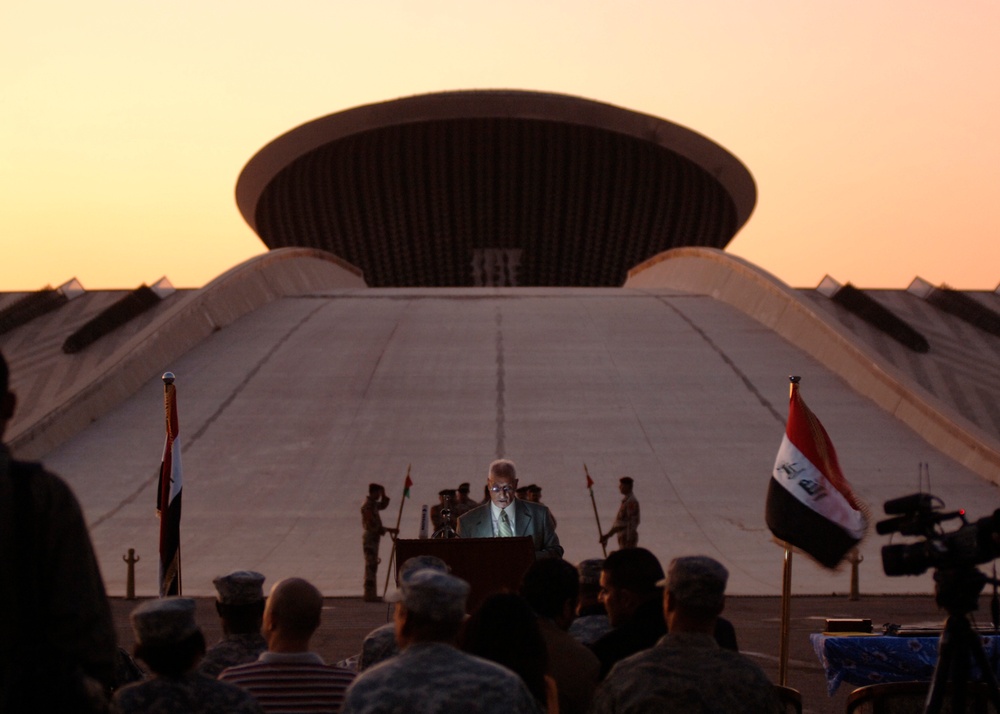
[{"x": 757, "y": 621}]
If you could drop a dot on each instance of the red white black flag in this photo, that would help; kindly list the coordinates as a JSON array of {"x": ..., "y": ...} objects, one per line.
[
  {"x": 810, "y": 505},
  {"x": 168, "y": 497}
]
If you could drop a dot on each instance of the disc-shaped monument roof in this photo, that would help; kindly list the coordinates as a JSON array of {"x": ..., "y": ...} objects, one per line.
[{"x": 494, "y": 188}]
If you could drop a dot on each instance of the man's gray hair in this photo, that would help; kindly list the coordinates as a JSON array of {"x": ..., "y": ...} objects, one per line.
[
  {"x": 503, "y": 467},
  {"x": 697, "y": 583}
]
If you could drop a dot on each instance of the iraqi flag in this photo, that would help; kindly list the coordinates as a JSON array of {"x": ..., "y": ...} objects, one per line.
[
  {"x": 810, "y": 505},
  {"x": 168, "y": 497}
]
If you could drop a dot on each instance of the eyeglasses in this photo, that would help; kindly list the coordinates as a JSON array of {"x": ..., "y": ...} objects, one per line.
[{"x": 504, "y": 489}]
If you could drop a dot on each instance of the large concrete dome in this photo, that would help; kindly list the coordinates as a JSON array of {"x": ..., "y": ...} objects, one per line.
[{"x": 494, "y": 188}]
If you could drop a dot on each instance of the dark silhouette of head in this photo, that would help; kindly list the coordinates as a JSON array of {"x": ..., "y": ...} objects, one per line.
[{"x": 505, "y": 630}]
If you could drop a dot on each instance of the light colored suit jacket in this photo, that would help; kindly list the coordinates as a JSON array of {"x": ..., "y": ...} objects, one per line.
[{"x": 530, "y": 519}]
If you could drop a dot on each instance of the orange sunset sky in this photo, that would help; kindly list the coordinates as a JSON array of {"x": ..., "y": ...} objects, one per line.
[{"x": 872, "y": 129}]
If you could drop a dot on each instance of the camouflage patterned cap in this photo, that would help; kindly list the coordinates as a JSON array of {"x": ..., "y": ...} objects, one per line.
[
  {"x": 590, "y": 571},
  {"x": 697, "y": 581},
  {"x": 164, "y": 621},
  {"x": 422, "y": 562},
  {"x": 433, "y": 594},
  {"x": 243, "y": 587}
]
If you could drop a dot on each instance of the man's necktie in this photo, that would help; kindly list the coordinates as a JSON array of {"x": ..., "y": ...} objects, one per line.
[{"x": 504, "y": 527}]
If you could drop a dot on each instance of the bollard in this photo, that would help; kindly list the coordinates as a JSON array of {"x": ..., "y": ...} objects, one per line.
[
  {"x": 855, "y": 557},
  {"x": 131, "y": 559}
]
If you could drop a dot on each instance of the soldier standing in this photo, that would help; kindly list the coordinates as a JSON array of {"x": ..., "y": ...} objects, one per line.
[
  {"x": 373, "y": 530},
  {"x": 463, "y": 504},
  {"x": 534, "y": 494},
  {"x": 443, "y": 507},
  {"x": 626, "y": 523}
]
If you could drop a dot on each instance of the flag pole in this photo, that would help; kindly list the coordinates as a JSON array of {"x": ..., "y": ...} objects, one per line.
[
  {"x": 597, "y": 518},
  {"x": 786, "y": 611},
  {"x": 786, "y": 585},
  {"x": 168, "y": 500},
  {"x": 399, "y": 519}
]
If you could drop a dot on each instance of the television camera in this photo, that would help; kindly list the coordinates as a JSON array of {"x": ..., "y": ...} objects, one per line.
[
  {"x": 957, "y": 584},
  {"x": 920, "y": 514}
]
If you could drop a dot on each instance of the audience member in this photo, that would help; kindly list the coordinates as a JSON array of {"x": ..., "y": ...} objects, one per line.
[
  {"x": 551, "y": 587},
  {"x": 170, "y": 643},
  {"x": 240, "y": 605},
  {"x": 591, "y": 622},
  {"x": 288, "y": 678},
  {"x": 633, "y": 597},
  {"x": 507, "y": 516},
  {"x": 687, "y": 671},
  {"x": 57, "y": 639},
  {"x": 505, "y": 630},
  {"x": 431, "y": 674},
  {"x": 127, "y": 670},
  {"x": 380, "y": 643}
]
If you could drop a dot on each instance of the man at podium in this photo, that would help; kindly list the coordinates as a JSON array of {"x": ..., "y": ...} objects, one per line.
[{"x": 506, "y": 516}]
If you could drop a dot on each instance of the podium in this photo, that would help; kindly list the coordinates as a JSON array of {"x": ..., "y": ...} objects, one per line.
[{"x": 489, "y": 565}]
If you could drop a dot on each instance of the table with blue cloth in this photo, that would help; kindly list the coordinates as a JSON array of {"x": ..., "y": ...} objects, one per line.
[{"x": 873, "y": 659}]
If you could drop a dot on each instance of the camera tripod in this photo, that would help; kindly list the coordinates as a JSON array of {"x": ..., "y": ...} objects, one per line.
[{"x": 957, "y": 592}]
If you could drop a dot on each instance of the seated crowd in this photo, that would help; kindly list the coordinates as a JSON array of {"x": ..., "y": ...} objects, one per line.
[{"x": 651, "y": 642}]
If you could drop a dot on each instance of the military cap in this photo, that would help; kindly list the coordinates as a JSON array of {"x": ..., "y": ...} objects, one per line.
[
  {"x": 696, "y": 581},
  {"x": 590, "y": 571},
  {"x": 626, "y": 479},
  {"x": 446, "y": 492},
  {"x": 433, "y": 594},
  {"x": 243, "y": 587},
  {"x": 463, "y": 488},
  {"x": 164, "y": 621},
  {"x": 422, "y": 562},
  {"x": 533, "y": 488}
]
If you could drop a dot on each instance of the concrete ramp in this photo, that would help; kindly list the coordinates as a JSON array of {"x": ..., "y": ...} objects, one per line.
[{"x": 290, "y": 411}]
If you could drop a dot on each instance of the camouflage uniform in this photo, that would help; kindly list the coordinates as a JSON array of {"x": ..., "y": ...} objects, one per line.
[
  {"x": 686, "y": 673},
  {"x": 190, "y": 693},
  {"x": 436, "y": 678},
  {"x": 627, "y": 521},
  {"x": 232, "y": 650},
  {"x": 588, "y": 629},
  {"x": 378, "y": 646},
  {"x": 371, "y": 522}
]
